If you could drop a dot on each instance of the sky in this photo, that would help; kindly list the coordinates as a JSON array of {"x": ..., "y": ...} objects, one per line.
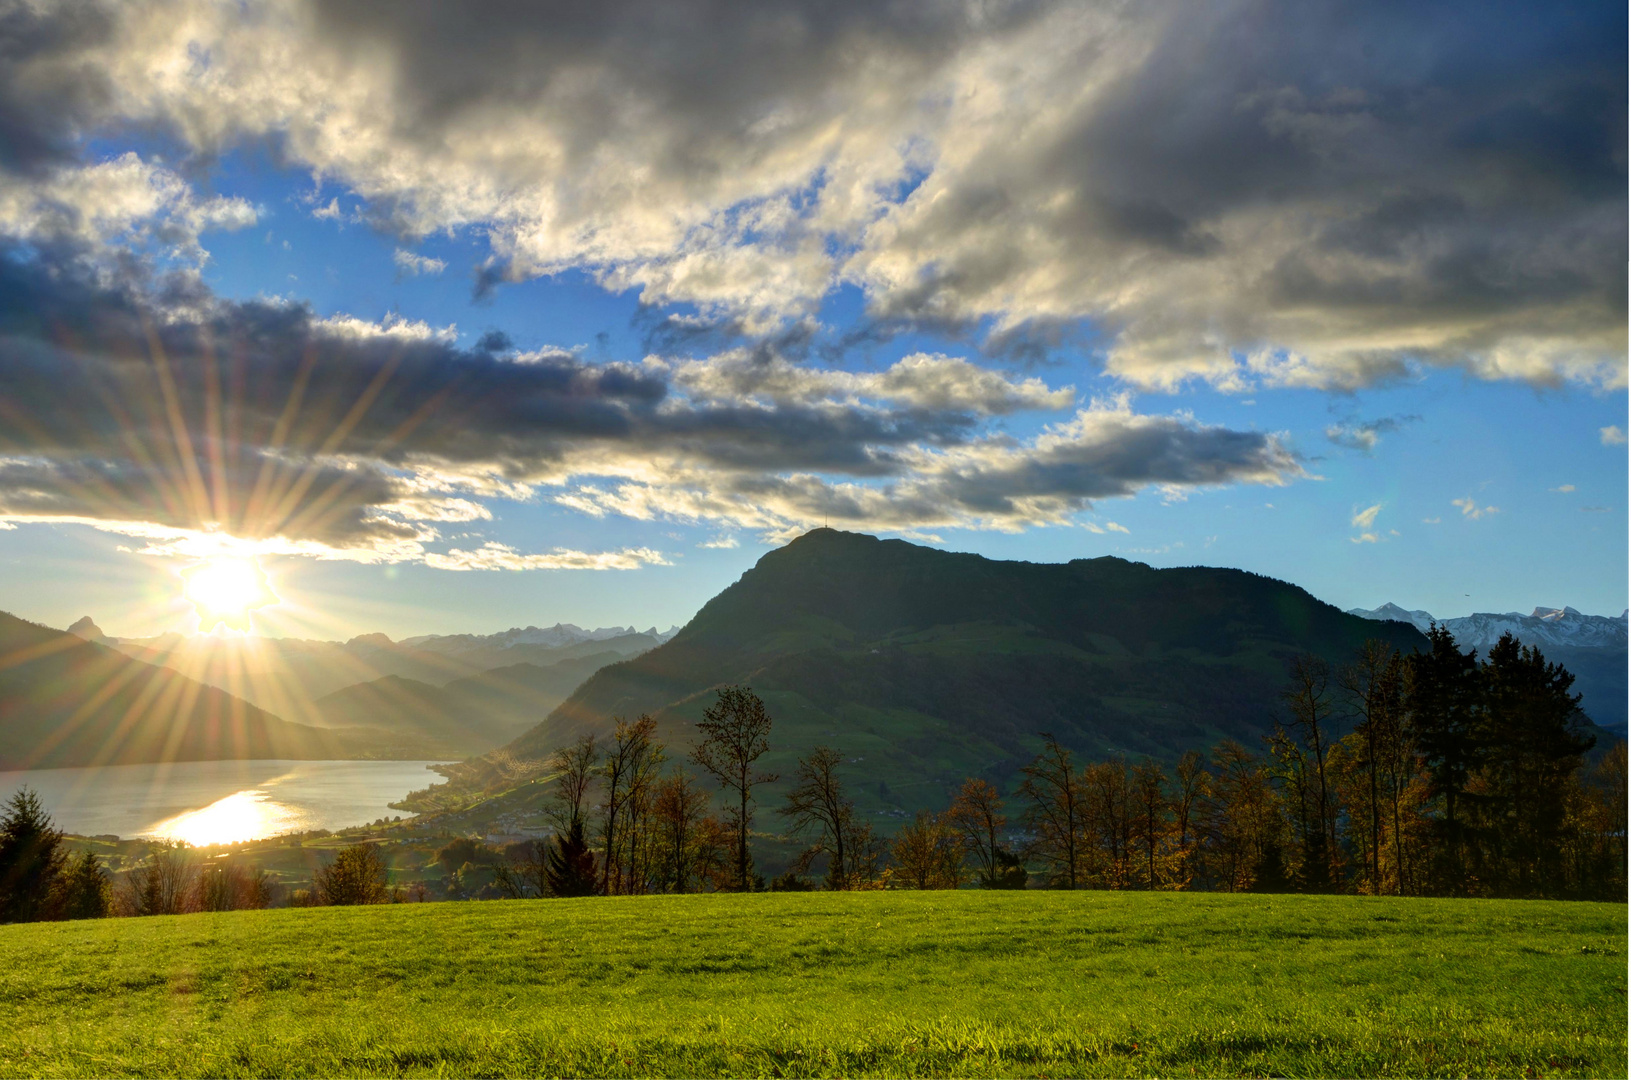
[{"x": 571, "y": 313}]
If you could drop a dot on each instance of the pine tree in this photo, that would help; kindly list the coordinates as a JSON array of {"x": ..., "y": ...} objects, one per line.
[
  {"x": 31, "y": 859},
  {"x": 570, "y": 870},
  {"x": 83, "y": 889}
]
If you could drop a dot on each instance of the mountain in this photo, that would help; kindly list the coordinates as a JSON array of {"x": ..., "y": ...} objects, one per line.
[
  {"x": 1542, "y": 627},
  {"x": 1592, "y": 647},
  {"x": 68, "y": 701},
  {"x": 466, "y": 716},
  {"x": 553, "y": 637},
  {"x": 286, "y": 676},
  {"x": 924, "y": 667}
]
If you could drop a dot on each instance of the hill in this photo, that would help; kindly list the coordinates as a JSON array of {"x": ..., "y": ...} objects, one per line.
[
  {"x": 286, "y": 676},
  {"x": 466, "y": 716},
  {"x": 925, "y": 666},
  {"x": 66, "y": 701},
  {"x": 963, "y": 983}
]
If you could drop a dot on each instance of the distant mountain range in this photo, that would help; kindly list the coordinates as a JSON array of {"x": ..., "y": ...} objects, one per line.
[
  {"x": 1592, "y": 647},
  {"x": 924, "y": 667},
  {"x": 1541, "y": 627}
]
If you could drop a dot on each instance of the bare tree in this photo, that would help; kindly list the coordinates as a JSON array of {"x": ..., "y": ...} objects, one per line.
[
  {"x": 1191, "y": 784},
  {"x": 817, "y": 803},
  {"x": 632, "y": 760},
  {"x": 1153, "y": 820},
  {"x": 1056, "y": 811},
  {"x": 929, "y": 853},
  {"x": 1304, "y": 751},
  {"x": 977, "y": 815},
  {"x": 735, "y": 734},
  {"x": 163, "y": 885},
  {"x": 685, "y": 834},
  {"x": 575, "y": 768}
]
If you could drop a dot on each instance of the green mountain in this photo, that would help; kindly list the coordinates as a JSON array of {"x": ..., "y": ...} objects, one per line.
[
  {"x": 66, "y": 701},
  {"x": 924, "y": 666},
  {"x": 466, "y": 716}
]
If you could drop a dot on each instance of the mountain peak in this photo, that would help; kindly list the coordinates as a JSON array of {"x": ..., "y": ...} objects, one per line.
[{"x": 86, "y": 628}]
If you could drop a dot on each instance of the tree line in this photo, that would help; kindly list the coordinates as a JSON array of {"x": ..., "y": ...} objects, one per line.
[{"x": 1435, "y": 773}]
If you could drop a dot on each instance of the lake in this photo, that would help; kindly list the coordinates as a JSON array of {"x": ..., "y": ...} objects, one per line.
[{"x": 219, "y": 802}]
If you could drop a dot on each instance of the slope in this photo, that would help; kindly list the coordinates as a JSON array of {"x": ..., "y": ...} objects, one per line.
[
  {"x": 65, "y": 701},
  {"x": 466, "y": 716},
  {"x": 926, "y": 666}
]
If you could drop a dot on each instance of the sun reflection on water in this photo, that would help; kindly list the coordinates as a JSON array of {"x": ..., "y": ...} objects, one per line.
[{"x": 243, "y": 815}]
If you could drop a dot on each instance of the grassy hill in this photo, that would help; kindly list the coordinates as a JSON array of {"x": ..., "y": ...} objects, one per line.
[
  {"x": 924, "y": 666},
  {"x": 851, "y": 984},
  {"x": 65, "y": 701}
]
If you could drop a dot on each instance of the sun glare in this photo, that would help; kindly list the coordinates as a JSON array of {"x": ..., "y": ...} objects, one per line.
[
  {"x": 226, "y": 590},
  {"x": 245, "y": 815}
]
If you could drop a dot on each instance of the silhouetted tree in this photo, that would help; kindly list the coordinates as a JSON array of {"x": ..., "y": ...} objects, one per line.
[
  {"x": 735, "y": 734},
  {"x": 575, "y": 769},
  {"x": 163, "y": 884},
  {"x": 628, "y": 782},
  {"x": 31, "y": 859},
  {"x": 231, "y": 887},
  {"x": 1191, "y": 786},
  {"x": 687, "y": 838},
  {"x": 571, "y": 865},
  {"x": 1303, "y": 750},
  {"x": 1442, "y": 702},
  {"x": 357, "y": 875},
  {"x": 817, "y": 803},
  {"x": 1055, "y": 811},
  {"x": 1152, "y": 824},
  {"x": 977, "y": 815}
]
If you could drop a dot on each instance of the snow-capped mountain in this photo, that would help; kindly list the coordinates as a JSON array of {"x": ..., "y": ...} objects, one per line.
[
  {"x": 1542, "y": 627},
  {"x": 549, "y": 636}
]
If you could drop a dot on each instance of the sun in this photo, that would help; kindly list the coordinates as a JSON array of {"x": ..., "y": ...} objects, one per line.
[{"x": 226, "y": 590}]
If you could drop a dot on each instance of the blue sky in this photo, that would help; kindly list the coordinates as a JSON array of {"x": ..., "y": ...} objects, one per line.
[{"x": 1371, "y": 370}]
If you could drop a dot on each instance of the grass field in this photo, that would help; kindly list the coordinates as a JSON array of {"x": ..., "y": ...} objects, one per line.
[{"x": 964, "y": 983}]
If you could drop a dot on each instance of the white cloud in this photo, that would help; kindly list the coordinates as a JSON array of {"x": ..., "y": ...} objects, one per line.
[
  {"x": 409, "y": 263},
  {"x": 1364, "y": 519},
  {"x": 1431, "y": 521},
  {"x": 1470, "y": 509},
  {"x": 1365, "y": 538},
  {"x": 1113, "y": 527},
  {"x": 1563, "y": 487},
  {"x": 331, "y": 212},
  {"x": 496, "y": 556},
  {"x": 1612, "y": 435},
  {"x": 725, "y": 542}
]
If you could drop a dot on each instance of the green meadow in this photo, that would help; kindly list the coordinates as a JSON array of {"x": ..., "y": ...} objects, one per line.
[{"x": 883, "y": 983}]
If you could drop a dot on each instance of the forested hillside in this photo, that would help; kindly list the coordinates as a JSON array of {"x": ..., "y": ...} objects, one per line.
[{"x": 924, "y": 666}]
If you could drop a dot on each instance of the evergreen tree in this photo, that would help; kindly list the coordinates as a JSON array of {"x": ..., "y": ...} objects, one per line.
[
  {"x": 1442, "y": 703},
  {"x": 83, "y": 888},
  {"x": 570, "y": 869},
  {"x": 31, "y": 859}
]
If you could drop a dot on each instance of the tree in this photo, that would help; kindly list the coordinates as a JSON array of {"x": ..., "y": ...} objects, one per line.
[
  {"x": 1055, "y": 811},
  {"x": 629, "y": 775},
  {"x": 229, "y": 887},
  {"x": 1152, "y": 822},
  {"x": 357, "y": 875},
  {"x": 161, "y": 885},
  {"x": 1303, "y": 750},
  {"x": 1442, "y": 704},
  {"x": 523, "y": 872},
  {"x": 687, "y": 837},
  {"x": 977, "y": 815},
  {"x": 1243, "y": 823},
  {"x": 817, "y": 803},
  {"x": 575, "y": 769},
  {"x": 1107, "y": 801},
  {"x": 31, "y": 859},
  {"x": 1374, "y": 687},
  {"x": 735, "y": 734},
  {"x": 84, "y": 890},
  {"x": 929, "y": 853},
  {"x": 1191, "y": 786},
  {"x": 570, "y": 869}
]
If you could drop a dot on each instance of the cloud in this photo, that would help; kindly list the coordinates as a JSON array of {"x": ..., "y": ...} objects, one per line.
[
  {"x": 1431, "y": 520},
  {"x": 721, "y": 542},
  {"x": 1594, "y": 509},
  {"x": 1113, "y": 527},
  {"x": 331, "y": 212},
  {"x": 1470, "y": 509},
  {"x": 495, "y": 556},
  {"x": 1364, "y": 435},
  {"x": 1331, "y": 197},
  {"x": 1612, "y": 435},
  {"x": 198, "y": 423},
  {"x": 1364, "y": 519},
  {"x": 409, "y": 263},
  {"x": 1365, "y": 538},
  {"x": 1563, "y": 487}
]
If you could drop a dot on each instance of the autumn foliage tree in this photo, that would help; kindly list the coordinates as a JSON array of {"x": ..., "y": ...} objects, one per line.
[{"x": 735, "y": 734}]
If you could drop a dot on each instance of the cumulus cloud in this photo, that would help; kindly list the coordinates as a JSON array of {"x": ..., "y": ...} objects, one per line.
[
  {"x": 1612, "y": 435},
  {"x": 1246, "y": 191},
  {"x": 197, "y": 423},
  {"x": 409, "y": 263}
]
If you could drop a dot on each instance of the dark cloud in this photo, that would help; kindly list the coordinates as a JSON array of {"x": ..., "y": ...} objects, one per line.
[{"x": 1363, "y": 435}]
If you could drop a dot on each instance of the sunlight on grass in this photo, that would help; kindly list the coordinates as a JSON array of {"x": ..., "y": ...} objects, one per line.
[{"x": 967, "y": 983}]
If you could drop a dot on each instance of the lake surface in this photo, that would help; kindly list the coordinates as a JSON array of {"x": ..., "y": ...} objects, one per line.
[{"x": 218, "y": 802}]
